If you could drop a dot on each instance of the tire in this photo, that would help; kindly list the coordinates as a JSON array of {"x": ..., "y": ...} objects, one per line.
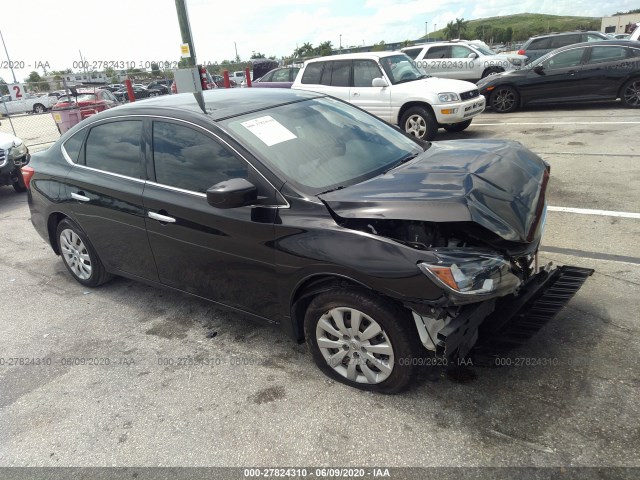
[
  {"x": 348, "y": 357},
  {"x": 419, "y": 122},
  {"x": 630, "y": 93},
  {"x": 39, "y": 108},
  {"x": 504, "y": 99},
  {"x": 19, "y": 185},
  {"x": 457, "y": 127},
  {"x": 79, "y": 256},
  {"x": 491, "y": 71}
]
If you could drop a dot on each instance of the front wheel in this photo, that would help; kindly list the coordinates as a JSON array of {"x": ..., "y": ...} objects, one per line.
[
  {"x": 631, "y": 94},
  {"x": 504, "y": 99},
  {"x": 19, "y": 185},
  {"x": 39, "y": 108},
  {"x": 362, "y": 341},
  {"x": 419, "y": 122},
  {"x": 457, "y": 127},
  {"x": 79, "y": 256}
]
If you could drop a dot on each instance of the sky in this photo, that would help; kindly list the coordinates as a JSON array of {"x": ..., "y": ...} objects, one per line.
[{"x": 142, "y": 31}]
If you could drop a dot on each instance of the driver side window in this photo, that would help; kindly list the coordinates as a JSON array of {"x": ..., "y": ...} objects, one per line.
[
  {"x": 458, "y": 51},
  {"x": 186, "y": 158},
  {"x": 364, "y": 71}
]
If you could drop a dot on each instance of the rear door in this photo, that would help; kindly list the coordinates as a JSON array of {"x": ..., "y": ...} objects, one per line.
[
  {"x": 224, "y": 255},
  {"x": 105, "y": 189},
  {"x": 606, "y": 68}
]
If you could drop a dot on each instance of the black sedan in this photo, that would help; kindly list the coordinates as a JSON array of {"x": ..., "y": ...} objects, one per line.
[
  {"x": 576, "y": 73},
  {"x": 305, "y": 211},
  {"x": 138, "y": 92}
]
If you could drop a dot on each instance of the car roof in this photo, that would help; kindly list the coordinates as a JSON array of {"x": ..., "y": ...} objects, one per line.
[
  {"x": 219, "y": 103},
  {"x": 604, "y": 43},
  {"x": 555, "y": 34},
  {"x": 355, "y": 56}
]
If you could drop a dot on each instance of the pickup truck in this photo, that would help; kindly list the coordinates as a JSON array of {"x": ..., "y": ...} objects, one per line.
[{"x": 29, "y": 103}]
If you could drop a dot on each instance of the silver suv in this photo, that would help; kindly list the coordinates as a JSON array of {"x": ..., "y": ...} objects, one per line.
[{"x": 464, "y": 60}]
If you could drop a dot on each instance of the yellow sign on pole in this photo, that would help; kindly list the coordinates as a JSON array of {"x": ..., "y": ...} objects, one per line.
[{"x": 185, "y": 51}]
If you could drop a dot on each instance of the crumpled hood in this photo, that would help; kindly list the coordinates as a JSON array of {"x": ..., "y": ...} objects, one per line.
[{"x": 497, "y": 184}]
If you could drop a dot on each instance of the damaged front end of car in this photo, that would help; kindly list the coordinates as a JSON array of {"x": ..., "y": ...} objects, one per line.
[{"x": 476, "y": 221}]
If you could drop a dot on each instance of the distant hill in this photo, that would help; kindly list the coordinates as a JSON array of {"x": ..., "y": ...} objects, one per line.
[{"x": 523, "y": 26}]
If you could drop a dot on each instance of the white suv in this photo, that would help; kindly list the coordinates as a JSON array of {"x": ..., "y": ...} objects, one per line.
[
  {"x": 464, "y": 60},
  {"x": 388, "y": 85}
]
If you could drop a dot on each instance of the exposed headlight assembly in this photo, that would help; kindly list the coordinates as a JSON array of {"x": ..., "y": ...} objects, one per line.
[
  {"x": 448, "y": 97},
  {"x": 18, "y": 150},
  {"x": 469, "y": 273}
]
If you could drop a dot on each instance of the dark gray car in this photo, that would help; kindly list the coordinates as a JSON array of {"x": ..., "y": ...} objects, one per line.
[{"x": 540, "y": 45}]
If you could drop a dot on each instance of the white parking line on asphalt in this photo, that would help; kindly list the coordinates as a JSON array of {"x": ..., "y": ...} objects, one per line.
[
  {"x": 553, "y": 123},
  {"x": 587, "y": 211}
]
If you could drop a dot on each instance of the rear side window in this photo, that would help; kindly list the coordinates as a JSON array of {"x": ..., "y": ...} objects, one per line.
[
  {"x": 188, "y": 159},
  {"x": 74, "y": 144},
  {"x": 539, "y": 44},
  {"x": 325, "y": 79},
  {"x": 312, "y": 73},
  {"x": 564, "y": 40},
  {"x": 590, "y": 37},
  {"x": 439, "y": 52},
  {"x": 341, "y": 74},
  {"x": 607, "y": 54},
  {"x": 115, "y": 147},
  {"x": 413, "y": 53},
  {"x": 569, "y": 58}
]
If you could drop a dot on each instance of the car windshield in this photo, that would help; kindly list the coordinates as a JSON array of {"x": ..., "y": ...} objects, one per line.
[
  {"x": 484, "y": 51},
  {"x": 400, "y": 69},
  {"x": 322, "y": 144},
  {"x": 86, "y": 97}
]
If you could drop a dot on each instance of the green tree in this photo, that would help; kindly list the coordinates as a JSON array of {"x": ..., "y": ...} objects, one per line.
[
  {"x": 378, "y": 47},
  {"x": 324, "y": 49},
  {"x": 461, "y": 27},
  {"x": 449, "y": 31},
  {"x": 508, "y": 34},
  {"x": 36, "y": 82},
  {"x": 257, "y": 55}
]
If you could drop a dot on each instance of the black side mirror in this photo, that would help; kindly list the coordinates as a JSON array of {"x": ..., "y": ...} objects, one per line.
[
  {"x": 539, "y": 69},
  {"x": 232, "y": 193}
]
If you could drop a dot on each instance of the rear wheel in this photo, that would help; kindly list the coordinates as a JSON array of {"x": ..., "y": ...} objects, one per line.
[
  {"x": 504, "y": 99},
  {"x": 419, "y": 122},
  {"x": 457, "y": 127},
  {"x": 79, "y": 256},
  {"x": 38, "y": 108},
  {"x": 362, "y": 341},
  {"x": 631, "y": 94}
]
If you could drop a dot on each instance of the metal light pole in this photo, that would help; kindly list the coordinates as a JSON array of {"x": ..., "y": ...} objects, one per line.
[
  {"x": 426, "y": 29},
  {"x": 434, "y": 30},
  {"x": 8, "y": 59},
  {"x": 185, "y": 30},
  {"x": 340, "y": 41}
]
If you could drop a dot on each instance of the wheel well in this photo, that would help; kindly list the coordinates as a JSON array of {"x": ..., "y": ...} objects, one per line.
[
  {"x": 408, "y": 105},
  {"x": 52, "y": 226},
  {"x": 307, "y": 290},
  {"x": 493, "y": 68},
  {"x": 619, "y": 95}
]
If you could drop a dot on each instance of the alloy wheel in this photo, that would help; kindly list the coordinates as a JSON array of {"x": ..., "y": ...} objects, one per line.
[
  {"x": 504, "y": 100},
  {"x": 354, "y": 345},
  {"x": 75, "y": 254},
  {"x": 416, "y": 126},
  {"x": 632, "y": 94}
]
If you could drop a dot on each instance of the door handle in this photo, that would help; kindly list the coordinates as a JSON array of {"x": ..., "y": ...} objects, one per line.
[
  {"x": 161, "y": 218},
  {"x": 80, "y": 197},
  {"x": 356, "y": 94}
]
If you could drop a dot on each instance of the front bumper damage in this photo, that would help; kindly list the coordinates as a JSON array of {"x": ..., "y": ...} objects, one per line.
[{"x": 489, "y": 329}]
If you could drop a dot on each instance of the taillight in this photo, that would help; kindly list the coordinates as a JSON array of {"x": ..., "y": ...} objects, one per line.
[
  {"x": 173, "y": 88},
  {"x": 27, "y": 173},
  {"x": 521, "y": 52}
]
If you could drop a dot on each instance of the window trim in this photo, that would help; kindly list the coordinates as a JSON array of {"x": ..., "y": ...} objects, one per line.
[{"x": 279, "y": 195}]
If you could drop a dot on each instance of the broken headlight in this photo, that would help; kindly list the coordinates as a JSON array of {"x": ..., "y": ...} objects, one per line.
[{"x": 471, "y": 273}]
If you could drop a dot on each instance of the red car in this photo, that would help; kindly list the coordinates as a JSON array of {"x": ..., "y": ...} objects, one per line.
[{"x": 89, "y": 101}]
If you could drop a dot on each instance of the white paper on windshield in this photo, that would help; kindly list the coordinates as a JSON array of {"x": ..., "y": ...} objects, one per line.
[{"x": 269, "y": 130}]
